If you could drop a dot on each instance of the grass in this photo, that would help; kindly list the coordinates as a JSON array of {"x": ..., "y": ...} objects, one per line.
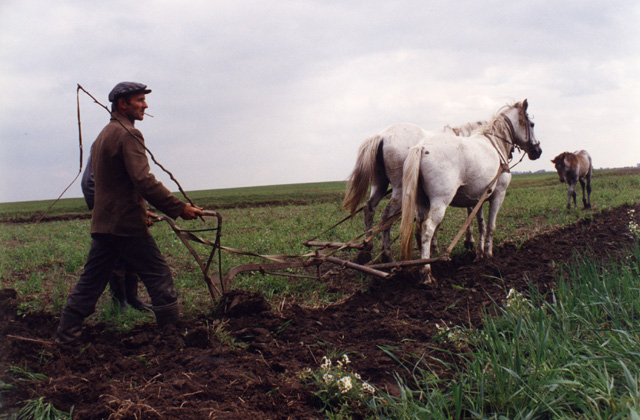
[
  {"x": 39, "y": 409},
  {"x": 571, "y": 355},
  {"x": 43, "y": 260},
  {"x": 36, "y": 408}
]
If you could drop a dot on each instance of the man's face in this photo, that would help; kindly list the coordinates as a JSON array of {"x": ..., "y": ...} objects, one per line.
[{"x": 134, "y": 109}]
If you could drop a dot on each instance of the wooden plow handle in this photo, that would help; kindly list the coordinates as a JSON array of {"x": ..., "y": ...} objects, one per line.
[{"x": 189, "y": 235}]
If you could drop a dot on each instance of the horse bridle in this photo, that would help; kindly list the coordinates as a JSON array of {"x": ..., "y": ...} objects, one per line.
[{"x": 512, "y": 134}]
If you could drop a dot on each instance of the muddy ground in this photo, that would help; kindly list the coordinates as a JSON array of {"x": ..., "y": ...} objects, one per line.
[{"x": 192, "y": 374}]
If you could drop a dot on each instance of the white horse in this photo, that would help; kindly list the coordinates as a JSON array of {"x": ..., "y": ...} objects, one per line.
[
  {"x": 447, "y": 170},
  {"x": 379, "y": 163}
]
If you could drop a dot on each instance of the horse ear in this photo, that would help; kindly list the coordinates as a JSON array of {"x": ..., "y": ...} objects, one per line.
[{"x": 525, "y": 105}]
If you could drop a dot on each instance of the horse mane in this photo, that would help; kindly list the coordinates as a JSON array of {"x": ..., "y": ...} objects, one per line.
[
  {"x": 469, "y": 128},
  {"x": 497, "y": 126},
  {"x": 495, "y": 119},
  {"x": 560, "y": 157}
]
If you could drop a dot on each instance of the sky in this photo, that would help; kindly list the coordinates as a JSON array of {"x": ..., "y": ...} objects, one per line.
[{"x": 249, "y": 93}]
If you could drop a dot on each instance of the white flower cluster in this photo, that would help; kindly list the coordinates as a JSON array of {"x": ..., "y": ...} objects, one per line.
[
  {"x": 326, "y": 363},
  {"x": 368, "y": 388},
  {"x": 340, "y": 377},
  {"x": 633, "y": 226},
  {"x": 344, "y": 384},
  {"x": 344, "y": 361},
  {"x": 513, "y": 297}
]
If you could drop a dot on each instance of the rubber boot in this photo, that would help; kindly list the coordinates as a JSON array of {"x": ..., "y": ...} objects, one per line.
[
  {"x": 167, "y": 315},
  {"x": 131, "y": 287},
  {"x": 70, "y": 328}
]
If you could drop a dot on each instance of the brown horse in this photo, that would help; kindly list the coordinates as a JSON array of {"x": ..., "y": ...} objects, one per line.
[{"x": 574, "y": 167}]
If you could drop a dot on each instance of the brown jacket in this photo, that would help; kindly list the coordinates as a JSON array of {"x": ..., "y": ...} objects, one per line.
[{"x": 123, "y": 182}]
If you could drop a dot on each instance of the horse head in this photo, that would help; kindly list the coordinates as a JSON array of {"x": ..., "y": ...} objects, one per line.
[
  {"x": 561, "y": 166},
  {"x": 521, "y": 129}
]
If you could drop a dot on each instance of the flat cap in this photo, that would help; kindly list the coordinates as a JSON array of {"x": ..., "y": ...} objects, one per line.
[{"x": 127, "y": 88}]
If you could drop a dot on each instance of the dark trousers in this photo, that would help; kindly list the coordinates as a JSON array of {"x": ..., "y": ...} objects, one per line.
[{"x": 140, "y": 254}]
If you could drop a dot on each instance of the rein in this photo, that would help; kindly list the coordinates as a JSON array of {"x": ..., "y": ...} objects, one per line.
[{"x": 511, "y": 133}]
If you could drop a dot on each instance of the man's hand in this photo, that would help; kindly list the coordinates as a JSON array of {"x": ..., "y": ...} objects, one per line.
[
  {"x": 191, "y": 212},
  {"x": 151, "y": 217}
]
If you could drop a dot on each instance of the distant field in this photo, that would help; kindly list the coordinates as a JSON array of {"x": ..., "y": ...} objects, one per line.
[{"x": 210, "y": 199}]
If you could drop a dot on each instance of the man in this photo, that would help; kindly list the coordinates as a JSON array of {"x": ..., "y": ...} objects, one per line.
[
  {"x": 123, "y": 283},
  {"x": 119, "y": 231}
]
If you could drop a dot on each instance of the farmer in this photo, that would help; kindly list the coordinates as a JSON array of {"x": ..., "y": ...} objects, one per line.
[
  {"x": 123, "y": 283},
  {"x": 119, "y": 230}
]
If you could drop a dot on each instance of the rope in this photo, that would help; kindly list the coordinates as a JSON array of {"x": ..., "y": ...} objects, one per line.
[{"x": 80, "y": 167}]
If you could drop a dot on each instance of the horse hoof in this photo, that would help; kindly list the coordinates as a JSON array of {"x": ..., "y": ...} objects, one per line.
[
  {"x": 429, "y": 280},
  {"x": 385, "y": 258},
  {"x": 363, "y": 257}
]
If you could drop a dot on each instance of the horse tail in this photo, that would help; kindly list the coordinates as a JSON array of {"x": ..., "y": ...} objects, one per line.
[
  {"x": 363, "y": 173},
  {"x": 410, "y": 176}
]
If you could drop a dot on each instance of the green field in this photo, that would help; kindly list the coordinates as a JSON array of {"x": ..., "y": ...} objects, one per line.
[{"x": 43, "y": 260}]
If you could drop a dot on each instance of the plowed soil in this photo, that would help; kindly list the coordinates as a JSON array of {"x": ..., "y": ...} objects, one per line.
[{"x": 188, "y": 373}]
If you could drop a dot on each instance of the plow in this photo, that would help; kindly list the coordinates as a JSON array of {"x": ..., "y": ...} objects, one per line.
[
  {"x": 324, "y": 251},
  {"x": 321, "y": 252}
]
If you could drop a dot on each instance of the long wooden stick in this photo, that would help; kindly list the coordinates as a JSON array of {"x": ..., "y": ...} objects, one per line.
[
  {"x": 469, "y": 220},
  {"x": 31, "y": 340},
  {"x": 409, "y": 263},
  {"x": 363, "y": 268}
]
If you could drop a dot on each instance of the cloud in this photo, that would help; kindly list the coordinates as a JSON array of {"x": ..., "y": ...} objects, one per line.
[{"x": 251, "y": 93}]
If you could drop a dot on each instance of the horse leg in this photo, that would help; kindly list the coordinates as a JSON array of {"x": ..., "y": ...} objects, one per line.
[
  {"x": 468, "y": 235},
  {"x": 584, "y": 197},
  {"x": 377, "y": 193},
  {"x": 482, "y": 233},
  {"x": 429, "y": 227},
  {"x": 434, "y": 241},
  {"x": 394, "y": 206},
  {"x": 421, "y": 215},
  {"x": 571, "y": 193},
  {"x": 588, "y": 203},
  {"x": 494, "y": 207}
]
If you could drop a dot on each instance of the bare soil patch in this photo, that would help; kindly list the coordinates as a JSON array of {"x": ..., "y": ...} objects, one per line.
[{"x": 189, "y": 373}]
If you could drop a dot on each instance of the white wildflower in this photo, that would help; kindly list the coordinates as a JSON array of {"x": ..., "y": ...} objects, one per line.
[
  {"x": 327, "y": 378},
  {"x": 514, "y": 298},
  {"x": 366, "y": 387},
  {"x": 634, "y": 229},
  {"x": 344, "y": 361},
  {"x": 326, "y": 363},
  {"x": 344, "y": 384}
]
